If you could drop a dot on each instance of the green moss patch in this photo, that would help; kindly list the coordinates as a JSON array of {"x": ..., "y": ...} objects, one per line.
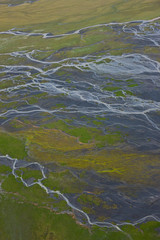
[{"x": 12, "y": 146}]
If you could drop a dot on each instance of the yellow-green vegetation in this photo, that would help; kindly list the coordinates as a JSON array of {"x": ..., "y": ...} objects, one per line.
[
  {"x": 23, "y": 220},
  {"x": 88, "y": 134},
  {"x": 52, "y": 140},
  {"x": 148, "y": 231},
  {"x": 68, "y": 46},
  {"x": 64, "y": 181},
  {"x": 60, "y": 16},
  {"x": 34, "y": 99},
  {"x": 6, "y": 105},
  {"x": 27, "y": 221},
  {"x": 26, "y": 213},
  {"x": 28, "y": 173},
  {"x": 14, "y": 43},
  {"x": 129, "y": 167},
  {"x": 7, "y": 83},
  {"x": 111, "y": 88},
  {"x": 133, "y": 85},
  {"x": 35, "y": 194},
  {"x": 119, "y": 89},
  {"x": 153, "y": 51},
  {"x": 7, "y": 59},
  {"x": 97, "y": 123},
  {"x": 90, "y": 200},
  {"x": 93, "y": 40},
  {"x": 123, "y": 93},
  {"x": 4, "y": 169},
  {"x": 11, "y": 145},
  {"x": 51, "y": 145}
]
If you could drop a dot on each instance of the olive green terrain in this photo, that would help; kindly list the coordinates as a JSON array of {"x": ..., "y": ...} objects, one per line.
[
  {"x": 28, "y": 213},
  {"x": 62, "y": 16}
]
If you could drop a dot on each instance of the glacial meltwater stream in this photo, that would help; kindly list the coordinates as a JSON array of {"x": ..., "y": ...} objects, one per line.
[{"x": 121, "y": 89}]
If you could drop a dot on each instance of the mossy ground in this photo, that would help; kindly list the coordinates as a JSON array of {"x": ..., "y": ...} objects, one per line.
[
  {"x": 66, "y": 146},
  {"x": 26, "y": 213},
  {"x": 26, "y": 221},
  {"x": 12, "y": 146},
  {"x": 60, "y": 16}
]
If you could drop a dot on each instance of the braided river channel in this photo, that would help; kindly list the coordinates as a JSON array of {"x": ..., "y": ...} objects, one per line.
[{"x": 102, "y": 92}]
